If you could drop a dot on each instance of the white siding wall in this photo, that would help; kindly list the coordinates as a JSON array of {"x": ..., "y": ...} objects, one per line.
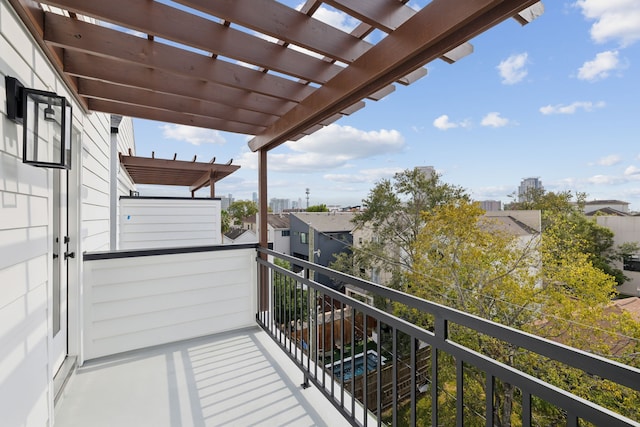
[
  {"x": 281, "y": 243},
  {"x": 26, "y": 386},
  {"x": 95, "y": 183},
  {"x": 131, "y": 303},
  {"x": 125, "y": 141},
  {"x": 164, "y": 223},
  {"x": 625, "y": 229}
]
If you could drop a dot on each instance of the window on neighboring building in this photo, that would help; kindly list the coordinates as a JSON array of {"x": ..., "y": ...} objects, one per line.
[
  {"x": 286, "y": 233},
  {"x": 631, "y": 263},
  {"x": 304, "y": 238}
]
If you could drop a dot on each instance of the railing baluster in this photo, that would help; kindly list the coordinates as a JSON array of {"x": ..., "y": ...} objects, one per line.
[
  {"x": 489, "y": 390},
  {"x": 353, "y": 361},
  {"x": 414, "y": 386},
  {"x": 572, "y": 419},
  {"x": 342, "y": 353},
  {"x": 459, "y": 392},
  {"x": 333, "y": 345},
  {"x": 365, "y": 394},
  {"x": 526, "y": 409},
  {"x": 379, "y": 374},
  {"x": 394, "y": 373}
]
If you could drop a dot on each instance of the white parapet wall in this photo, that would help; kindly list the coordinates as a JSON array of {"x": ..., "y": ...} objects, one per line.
[
  {"x": 141, "y": 299},
  {"x": 157, "y": 222}
]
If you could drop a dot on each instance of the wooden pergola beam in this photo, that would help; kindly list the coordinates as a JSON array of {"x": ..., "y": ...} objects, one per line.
[
  {"x": 148, "y": 98},
  {"x": 89, "y": 38},
  {"x": 174, "y": 24},
  {"x": 105, "y": 69},
  {"x": 436, "y": 29},
  {"x": 171, "y": 117}
]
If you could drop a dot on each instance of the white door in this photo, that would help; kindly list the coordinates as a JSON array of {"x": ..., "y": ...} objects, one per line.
[{"x": 60, "y": 267}]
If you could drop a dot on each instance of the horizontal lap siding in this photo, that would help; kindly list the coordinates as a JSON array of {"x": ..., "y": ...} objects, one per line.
[
  {"x": 160, "y": 223},
  {"x": 138, "y": 302},
  {"x": 95, "y": 200},
  {"x": 25, "y": 231},
  {"x": 24, "y": 245}
]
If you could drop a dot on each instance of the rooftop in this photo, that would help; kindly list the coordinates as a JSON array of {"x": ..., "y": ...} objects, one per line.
[{"x": 327, "y": 221}]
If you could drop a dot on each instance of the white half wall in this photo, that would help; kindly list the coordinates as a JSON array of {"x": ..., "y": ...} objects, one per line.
[
  {"x": 155, "y": 222},
  {"x": 141, "y": 301}
]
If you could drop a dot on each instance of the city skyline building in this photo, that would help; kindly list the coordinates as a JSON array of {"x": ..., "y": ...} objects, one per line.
[{"x": 528, "y": 184}]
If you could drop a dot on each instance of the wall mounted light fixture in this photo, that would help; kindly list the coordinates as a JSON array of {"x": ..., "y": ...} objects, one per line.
[{"x": 46, "y": 122}]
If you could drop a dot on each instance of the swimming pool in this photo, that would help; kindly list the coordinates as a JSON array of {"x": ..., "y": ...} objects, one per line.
[{"x": 372, "y": 365}]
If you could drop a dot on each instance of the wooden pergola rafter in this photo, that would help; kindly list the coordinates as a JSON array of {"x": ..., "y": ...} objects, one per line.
[{"x": 255, "y": 67}]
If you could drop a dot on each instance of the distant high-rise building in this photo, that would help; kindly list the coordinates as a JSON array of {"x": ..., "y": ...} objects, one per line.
[
  {"x": 428, "y": 171},
  {"x": 526, "y": 185},
  {"x": 491, "y": 205},
  {"x": 254, "y": 197},
  {"x": 279, "y": 205},
  {"x": 225, "y": 202}
]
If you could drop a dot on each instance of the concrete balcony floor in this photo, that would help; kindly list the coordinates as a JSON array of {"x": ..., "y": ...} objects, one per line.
[{"x": 239, "y": 378}]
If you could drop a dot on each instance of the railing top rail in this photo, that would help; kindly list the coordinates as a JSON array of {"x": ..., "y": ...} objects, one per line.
[
  {"x": 132, "y": 253},
  {"x": 594, "y": 364}
]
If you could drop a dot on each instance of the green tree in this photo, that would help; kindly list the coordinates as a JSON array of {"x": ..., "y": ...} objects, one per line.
[
  {"x": 393, "y": 214},
  {"x": 225, "y": 221},
  {"x": 580, "y": 230},
  {"x": 464, "y": 260},
  {"x": 290, "y": 302},
  {"x": 318, "y": 208},
  {"x": 241, "y": 209}
]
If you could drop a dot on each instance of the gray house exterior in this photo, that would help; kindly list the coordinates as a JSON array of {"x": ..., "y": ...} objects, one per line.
[{"x": 329, "y": 233}]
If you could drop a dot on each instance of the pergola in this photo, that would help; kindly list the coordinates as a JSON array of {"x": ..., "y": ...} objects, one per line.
[
  {"x": 255, "y": 67},
  {"x": 195, "y": 175}
]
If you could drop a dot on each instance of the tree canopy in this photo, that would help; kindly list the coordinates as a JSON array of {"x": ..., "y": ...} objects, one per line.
[
  {"x": 539, "y": 285},
  {"x": 241, "y": 209},
  {"x": 318, "y": 208},
  {"x": 393, "y": 214},
  {"x": 592, "y": 239}
]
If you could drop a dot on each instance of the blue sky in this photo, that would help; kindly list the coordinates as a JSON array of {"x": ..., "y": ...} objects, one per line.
[{"x": 557, "y": 99}]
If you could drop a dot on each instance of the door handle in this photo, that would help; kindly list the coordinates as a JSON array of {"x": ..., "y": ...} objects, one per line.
[
  {"x": 55, "y": 256},
  {"x": 69, "y": 255}
]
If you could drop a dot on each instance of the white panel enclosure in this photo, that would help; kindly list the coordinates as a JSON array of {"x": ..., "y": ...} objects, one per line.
[
  {"x": 151, "y": 223},
  {"x": 141, "y": 301}
]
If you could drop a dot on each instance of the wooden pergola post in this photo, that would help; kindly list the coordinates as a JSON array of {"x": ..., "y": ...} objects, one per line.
[{"x": 262, "y": 226}]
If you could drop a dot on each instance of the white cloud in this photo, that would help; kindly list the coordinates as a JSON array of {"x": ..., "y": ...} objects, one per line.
[
  {"x": 192, "y": 135},
  {"x": 334, "y": 18},
  {"x": 606, "y": 180},
  {"x": 512, "y": 70},
  {"x": 494, "y": 119},
  {"x": 617, "y": 20},
  {"x": 600, "y": 67},
  {"x": 329, "y": 148},
  {"x": 363, "y": 176},
  {"x": 610, "y": 160},
  {"x": 571, "y": 108},
  {"x": 632, "y": 171},
  {"x": 443, "y": 123}
]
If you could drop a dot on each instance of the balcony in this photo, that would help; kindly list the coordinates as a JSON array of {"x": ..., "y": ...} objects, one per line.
[{"x": 224, "y": 336}]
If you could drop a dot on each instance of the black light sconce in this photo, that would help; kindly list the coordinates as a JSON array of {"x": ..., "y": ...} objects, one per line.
[{"x": 46, "y": 122}]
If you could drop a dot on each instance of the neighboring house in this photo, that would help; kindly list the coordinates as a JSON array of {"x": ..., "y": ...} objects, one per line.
[
  {"x": 626, "y": 229},
  {"x": 239, "y": 235},
  {"x": 616, "y": 205},
  {"x": 329, "y": 233},
  {"x": 277, "y": 230},
  {"x": 607, "y": 211}
]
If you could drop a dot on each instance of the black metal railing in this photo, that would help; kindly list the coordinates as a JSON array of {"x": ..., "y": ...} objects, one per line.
[{"x": 377, "y": 368}]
